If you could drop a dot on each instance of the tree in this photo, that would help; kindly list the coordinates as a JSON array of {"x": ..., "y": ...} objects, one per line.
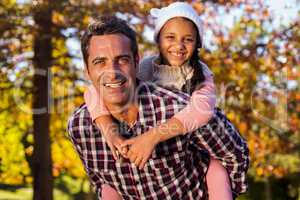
[
  {"x": 42, "y": 61},
  {"x": 248, "y": 58},
  {"x": 256, "y": 66}
]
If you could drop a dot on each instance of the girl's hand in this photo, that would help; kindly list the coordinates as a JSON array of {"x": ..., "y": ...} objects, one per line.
[
  {"x": 140, "y": 148},
  {"x": 114, "y": 141},
  {"x": 109, "y": 130}
]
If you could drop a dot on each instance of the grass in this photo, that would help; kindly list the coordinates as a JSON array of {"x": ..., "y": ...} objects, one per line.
[{"x": 26, "y": 194}]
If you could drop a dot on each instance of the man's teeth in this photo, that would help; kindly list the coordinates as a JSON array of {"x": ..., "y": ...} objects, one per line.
[{"x": 114, "y": 85}]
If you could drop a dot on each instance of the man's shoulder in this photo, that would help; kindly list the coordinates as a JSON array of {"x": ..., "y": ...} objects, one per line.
[
  {"x": 218, "y": 115},
  {"x": 80, "y": 112},
  {"x": 79, "y": 118},
  {"x": 219, "y": 121}
]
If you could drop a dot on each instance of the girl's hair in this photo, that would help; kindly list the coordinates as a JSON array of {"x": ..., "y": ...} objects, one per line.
[{"x": 198, "y": 76}]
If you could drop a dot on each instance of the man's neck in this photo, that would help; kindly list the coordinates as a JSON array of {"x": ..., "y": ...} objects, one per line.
[{"x": 126, "y": 114}]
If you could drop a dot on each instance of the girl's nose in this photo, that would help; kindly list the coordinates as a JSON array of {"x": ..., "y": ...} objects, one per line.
[{"x": 180, "y": 45}]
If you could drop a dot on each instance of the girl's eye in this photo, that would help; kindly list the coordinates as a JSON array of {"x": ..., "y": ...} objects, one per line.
[
  {"x": 169, "y": 37},
  {"x": 189, "y": 40}
]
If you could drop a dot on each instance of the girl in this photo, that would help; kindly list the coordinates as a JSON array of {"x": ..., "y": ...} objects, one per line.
[{"x": 178, "y": 32}]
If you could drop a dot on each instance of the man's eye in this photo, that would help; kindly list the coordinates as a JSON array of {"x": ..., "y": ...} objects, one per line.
[
  {"x": 123, "y": 61},
  {"x": 99, "y": 62}
]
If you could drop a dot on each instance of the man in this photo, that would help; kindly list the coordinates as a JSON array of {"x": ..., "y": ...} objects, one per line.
[{"x": 177, "y": 167}]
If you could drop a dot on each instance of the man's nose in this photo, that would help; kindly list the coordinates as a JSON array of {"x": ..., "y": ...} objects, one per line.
[
  {"x": 112, "y": 66},
  {"x": 113, "y": 72}
]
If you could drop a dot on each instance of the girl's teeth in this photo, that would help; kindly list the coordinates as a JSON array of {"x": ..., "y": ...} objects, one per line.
[{"x": 177, "y": 54}]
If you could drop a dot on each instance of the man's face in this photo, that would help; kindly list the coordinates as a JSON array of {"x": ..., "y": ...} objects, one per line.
[{"x": 111, "y": 68}]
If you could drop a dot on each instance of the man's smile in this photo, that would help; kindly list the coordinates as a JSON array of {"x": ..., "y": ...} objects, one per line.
[{"x": 116, "y": 84}]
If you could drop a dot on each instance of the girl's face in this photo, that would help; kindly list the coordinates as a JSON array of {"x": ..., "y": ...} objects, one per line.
[{"x": 177, "y": 41}]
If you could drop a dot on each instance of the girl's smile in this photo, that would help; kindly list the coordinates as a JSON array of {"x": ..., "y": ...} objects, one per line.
[{"x": 177, "y": 41}]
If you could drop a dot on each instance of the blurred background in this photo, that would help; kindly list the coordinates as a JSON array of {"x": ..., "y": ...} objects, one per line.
[{"x": 252, "y": 46}]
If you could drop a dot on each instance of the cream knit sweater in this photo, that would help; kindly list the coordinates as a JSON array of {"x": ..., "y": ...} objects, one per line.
[{"x": 172, "y": 77}]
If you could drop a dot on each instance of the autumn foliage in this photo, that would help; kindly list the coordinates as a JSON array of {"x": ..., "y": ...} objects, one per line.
[{"x": 253, "y": 53}]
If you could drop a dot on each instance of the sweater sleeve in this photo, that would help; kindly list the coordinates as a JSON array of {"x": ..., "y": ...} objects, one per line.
[
  {"x": 200, "y": 109},
  {"x": 94, "y": 103}
]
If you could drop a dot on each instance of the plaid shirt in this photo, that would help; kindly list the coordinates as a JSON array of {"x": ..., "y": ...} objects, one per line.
[{"x": 177, "y": 167}]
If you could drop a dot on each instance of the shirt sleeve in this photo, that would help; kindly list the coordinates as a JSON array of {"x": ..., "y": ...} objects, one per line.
[
  {"x": 75, "y": 132},
  {"x": 201, "y": 106},
  {"x": 224, "y": 143},
  {"x": 94, "y": 103}
]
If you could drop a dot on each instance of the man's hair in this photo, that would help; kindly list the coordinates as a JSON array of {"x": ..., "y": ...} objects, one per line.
[{"x": 105, "y": 25}]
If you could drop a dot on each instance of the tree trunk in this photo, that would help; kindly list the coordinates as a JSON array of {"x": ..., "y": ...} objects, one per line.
[
  {"x": 268, "y": 190},
  {"x": 42, "y": 163}
]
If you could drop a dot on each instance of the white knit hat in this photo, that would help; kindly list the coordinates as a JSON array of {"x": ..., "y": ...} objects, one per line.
[{"x": 177, "y": 9}]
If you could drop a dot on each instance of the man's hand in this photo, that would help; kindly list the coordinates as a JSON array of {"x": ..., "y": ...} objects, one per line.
[{"x": 140, "y": 148}]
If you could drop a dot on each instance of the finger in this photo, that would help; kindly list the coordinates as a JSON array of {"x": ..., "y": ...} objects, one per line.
[
  {"x": 138, "y": 161},
  {"x": 120, "y": 149},
  {"x": 118, "y": 142},
  {"x": 124, "y": 152},
  {"x": 113, "y": 151},
  {"x": 143, "y": 162},
  {"x": 127, "y": 142},
  {"x": 129, "y": 154},
  {"x": 132, "y": 156}
]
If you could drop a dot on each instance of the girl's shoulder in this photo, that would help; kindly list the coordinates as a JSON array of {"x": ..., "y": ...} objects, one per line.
[
  {"x": 206, "y": 71},
  {"x": 147, "y": 61},
  {"x": 145, "y": 69}
]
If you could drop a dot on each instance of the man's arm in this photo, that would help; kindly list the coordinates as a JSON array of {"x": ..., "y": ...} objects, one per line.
[
  {"x": 224, "y": 143},
  {"x": 76, "y": 133}
]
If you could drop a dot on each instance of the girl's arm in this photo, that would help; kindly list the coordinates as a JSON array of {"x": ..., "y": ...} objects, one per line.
[
  {"x": 201, "y": 106},
  {"x": 94, "y": 103},
  {"x": 196, "y": 114},
  {"x": 101, "y": 116}
]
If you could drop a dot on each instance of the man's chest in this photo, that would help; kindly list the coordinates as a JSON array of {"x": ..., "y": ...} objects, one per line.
[
  {"x": 97, "y": 153},
  {"x": 170, "y": 163}
]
